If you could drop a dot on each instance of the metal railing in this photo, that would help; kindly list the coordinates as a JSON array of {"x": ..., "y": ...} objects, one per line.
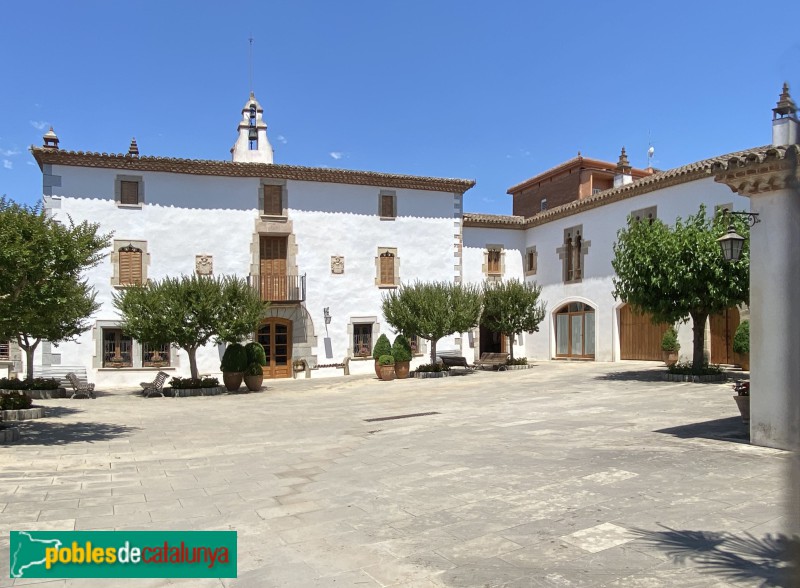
[{"x": 278, "y": 288}]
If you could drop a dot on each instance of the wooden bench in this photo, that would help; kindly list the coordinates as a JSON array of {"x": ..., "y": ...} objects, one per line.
[
  {"x": 80, "y": 389},
  {"x": 495, "y": 361},
  {"x": 450, "y": 359},
  {"x": 345, "y": 365},
  {"x": 59, "y": 372}
]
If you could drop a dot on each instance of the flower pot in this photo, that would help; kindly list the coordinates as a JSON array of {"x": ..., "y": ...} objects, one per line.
[
  {"x": 378, "y": 369},
  {"x": 387, "y": 372},
  {"x": 670, "y": 357},
  {"x": 253, "y": 383},
  {"x": 401, "y": 369},
  {"x": 743, "y": 359},
  {"x": 232, "y": 380},
  {"x": 743, "y": 402}
]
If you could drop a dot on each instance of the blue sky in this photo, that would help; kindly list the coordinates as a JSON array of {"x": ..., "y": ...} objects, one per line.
[{"x": 494, "y": 91}]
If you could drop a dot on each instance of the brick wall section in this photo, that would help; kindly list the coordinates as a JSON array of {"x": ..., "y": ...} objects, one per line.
[{"x": 558, "y": 190}]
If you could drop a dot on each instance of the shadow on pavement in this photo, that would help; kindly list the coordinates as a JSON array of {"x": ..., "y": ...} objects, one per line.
[
  {"x": 729, "y": 429},
  {"x": 634, "y": 375},
  {"x": 736, "y": 558},
  {"x": 47, "y": 433}
]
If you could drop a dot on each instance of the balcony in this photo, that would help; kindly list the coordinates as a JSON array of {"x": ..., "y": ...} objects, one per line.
[{"x": 278, "y": 288}]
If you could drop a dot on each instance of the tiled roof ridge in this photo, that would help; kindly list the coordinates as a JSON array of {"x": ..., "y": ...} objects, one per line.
[
  {"x": 480, "y": 219},
  {"x": 246, "y": 169},
  {"x": 566, "y": 165}
]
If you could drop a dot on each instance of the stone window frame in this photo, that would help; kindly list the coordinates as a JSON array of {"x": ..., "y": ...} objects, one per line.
[
  {"x": 531, "y": 269},
  {"x": 393, "y": 195},
  {"x": 393, "y": 252},
  {"x": 119, "y": 244},
  {"x": 485, "y": 266},
  {"x": 650, "y": 213},
  {"x": 118, "y": 190},
  {"x": 136, "y": 351},
  {"x": 361, "y": 320},
  {"x": 284, "y": 199},
  {"x": 568, "y": 254}
]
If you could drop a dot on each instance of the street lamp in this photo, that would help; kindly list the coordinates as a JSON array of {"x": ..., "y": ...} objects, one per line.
[{"x": 731, "y": 242}]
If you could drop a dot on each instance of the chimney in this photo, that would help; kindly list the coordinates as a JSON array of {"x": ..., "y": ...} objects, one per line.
[
  {"x": 133, "y": 150},
  {"x": 623, "y": 172},
  {"x": 50, "y": 140},
  {"x": 784, "y": 120}
]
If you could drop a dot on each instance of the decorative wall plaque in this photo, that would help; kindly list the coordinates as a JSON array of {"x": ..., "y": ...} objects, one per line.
[
  {"x": 204, "y": 265},
  {"x": 337, "y": 264}
]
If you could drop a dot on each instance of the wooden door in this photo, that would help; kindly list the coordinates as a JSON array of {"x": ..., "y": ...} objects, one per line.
[
  {"x": 275, "y": 336},
  {"x": 575, "y": 333},
  {"x": 639, "y": 337},
  {"x": 274, "y": 286},
  {"x": 723, "y": 328}
]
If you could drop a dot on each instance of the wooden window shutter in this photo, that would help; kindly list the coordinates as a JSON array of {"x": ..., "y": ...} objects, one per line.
[
  {"x": 387, "y": 206},
  {"x": 128, "y": 192},
  {"x": 130, "y": 266},
  {"x": 493, "y": 259},
  {"x": 272, "y": 200},
  {"x": 387, "y": 268}
]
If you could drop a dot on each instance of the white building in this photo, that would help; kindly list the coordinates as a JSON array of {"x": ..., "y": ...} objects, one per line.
[{"x": 322, "y": 242}]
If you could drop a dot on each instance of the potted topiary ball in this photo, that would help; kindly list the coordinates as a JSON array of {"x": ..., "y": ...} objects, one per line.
[
  {"x": 670, "y": 346},
  {"x": 401, "y": 351},
  {"x": 233, "y": 365},
  {"x": 386, "y": 363},
  {"x": 255, "y": 353},
  {"x": 741, "y": 345},
  {"x": 382, "y": 347},
  {"x": 253, "y": 377}
]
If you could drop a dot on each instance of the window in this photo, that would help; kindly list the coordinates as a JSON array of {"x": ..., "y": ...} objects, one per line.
[
  {"x": 575, "y": 330},
  {"x": 596, "y": 190},
  {"x": 129, "y": 190},
  {"x": 531, "y": 261},
  {"x": 130, "y": 266},
  {"x": 387, "y": 268},
  {"x": 648, "y": 214},
  {"x": 5, "y": 351},
  {"x": 493, "y": 262},
  {"x": 117, "y": 349},
  {"x": 362, "y": 339},
  {"x": 155, "y": 355},
  {"x": 387, "y": 205},
  {"x": 572, "y": 254},
  {"x": 543, "y": 204},
  {"x": 416, "y": 349},
  {"x": 273, "y": 199}
]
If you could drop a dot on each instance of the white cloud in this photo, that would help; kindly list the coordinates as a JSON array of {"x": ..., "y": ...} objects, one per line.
[
  {"x": 281, "y": 139},
  {"x": 40, "y": 124},
  {"x": 7, "y": 164},
  {"x": 336, "y": 154},
  {"x": 30, "y": 163},
  {"x": 9, "y": 152}
]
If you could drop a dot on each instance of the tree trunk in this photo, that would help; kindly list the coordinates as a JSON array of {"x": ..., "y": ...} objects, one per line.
[
  {"x": 433, "y": 351},
  {"x": 699, "y": 336},
  {"x": 511, "y": 347},
  {"x": 29, "y": 349},
  {"x": 192, "y": 351}
]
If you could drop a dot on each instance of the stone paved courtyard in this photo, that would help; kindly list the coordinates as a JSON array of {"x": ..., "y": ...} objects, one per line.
[{"x": 567, "y": 474}]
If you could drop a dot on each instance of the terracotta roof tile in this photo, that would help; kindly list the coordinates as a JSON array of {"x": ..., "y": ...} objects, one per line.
[
  {"x": 255, "y": 170},
  {"x": 472, "y": 219}
]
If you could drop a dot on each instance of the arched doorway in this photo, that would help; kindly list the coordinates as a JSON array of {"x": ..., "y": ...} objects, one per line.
[
  {"x": 275, "y": 336},
  {"x": 639, "y": 337},
  {"x": 575, "y": 331},
  {"x": 492, "y": 341},
  {"x": 723, "y": 328}
]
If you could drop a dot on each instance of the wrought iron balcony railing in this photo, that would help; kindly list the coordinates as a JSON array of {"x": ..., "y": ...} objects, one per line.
[{"x": 278, "y": 288}]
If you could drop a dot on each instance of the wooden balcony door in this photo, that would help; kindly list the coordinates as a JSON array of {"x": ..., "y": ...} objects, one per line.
[
  {"x": 274, "y": 284},
  {"x": 275, "y": 336}
]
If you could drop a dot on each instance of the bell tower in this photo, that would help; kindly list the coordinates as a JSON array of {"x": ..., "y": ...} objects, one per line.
[{"x": 252, "y": 145}]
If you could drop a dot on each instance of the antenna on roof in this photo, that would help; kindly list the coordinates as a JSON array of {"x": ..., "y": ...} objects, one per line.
[
  {"x": 250, "y": 60},
  {"x": 650, "y": 151}
]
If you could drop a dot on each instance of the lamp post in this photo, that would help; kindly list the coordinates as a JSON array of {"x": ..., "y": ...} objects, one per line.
[{"x": 731, "y": 242}]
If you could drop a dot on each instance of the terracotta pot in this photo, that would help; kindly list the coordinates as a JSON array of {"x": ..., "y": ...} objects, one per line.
[
  {"x": 378, "y": 369},
  {"x": 387, "y": 372},
  {"x": 401, "y": 369},
  {"x": 743, "y": 402},
  {"x": 670, "y": 357},
  {"x": 743, "y": 359},
  {"x": 232, "y": 380},
  {"x": 253, "y": 383}
]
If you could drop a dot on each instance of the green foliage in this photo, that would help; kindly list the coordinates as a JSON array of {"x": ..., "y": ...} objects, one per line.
[
  {"x": 741, "y": 340},
  {"x": 433, "y": 367},
  {"x": 386, "y": 359},
  {"x": 382, "y": 347},
  {"x": 678, "y": 272},
  {"x": 193, "y": 383},
  {"x": 254, "y": 369},
  {"x": 669, "y": 341},
  {"x": 34, "y": 384},
  {"x": 234, "y": 359},
  {"x": 512, "y": 307},
  {"x": 42, "y": 294},
  {"x": 255, "y": 353},
  {"x": 401, "y": 349},
  {"x": 14, "y": 384},
  {"x": 518, "y": 361},
  {"x": 433, "y": 310},
  {"x": 689, "y": 369},
  {"x": 15, "y": 401},
  {"x": 190, "y": 311}
]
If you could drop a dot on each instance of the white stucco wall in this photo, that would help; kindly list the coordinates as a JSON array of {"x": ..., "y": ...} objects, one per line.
[{"x": 186, "y": 215}]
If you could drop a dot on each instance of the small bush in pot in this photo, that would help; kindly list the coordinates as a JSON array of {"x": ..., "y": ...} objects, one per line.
[
  {"x": 401, "y": 351},
  {"x": 386, "y": 363},
  {"x": 670, "y": 346},
  {"x": 741, "y": 344},
  {"x": 234, "y": 363},
  {"x": 255, "y": 353},
  {"x": 253, "y": 377},
  {"x": 382, "y": 347}
]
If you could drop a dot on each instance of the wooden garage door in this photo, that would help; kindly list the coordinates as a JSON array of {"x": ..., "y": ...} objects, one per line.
[
  {"x": 639, "y": 338},
  {"x": 723, "y": 328}
]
